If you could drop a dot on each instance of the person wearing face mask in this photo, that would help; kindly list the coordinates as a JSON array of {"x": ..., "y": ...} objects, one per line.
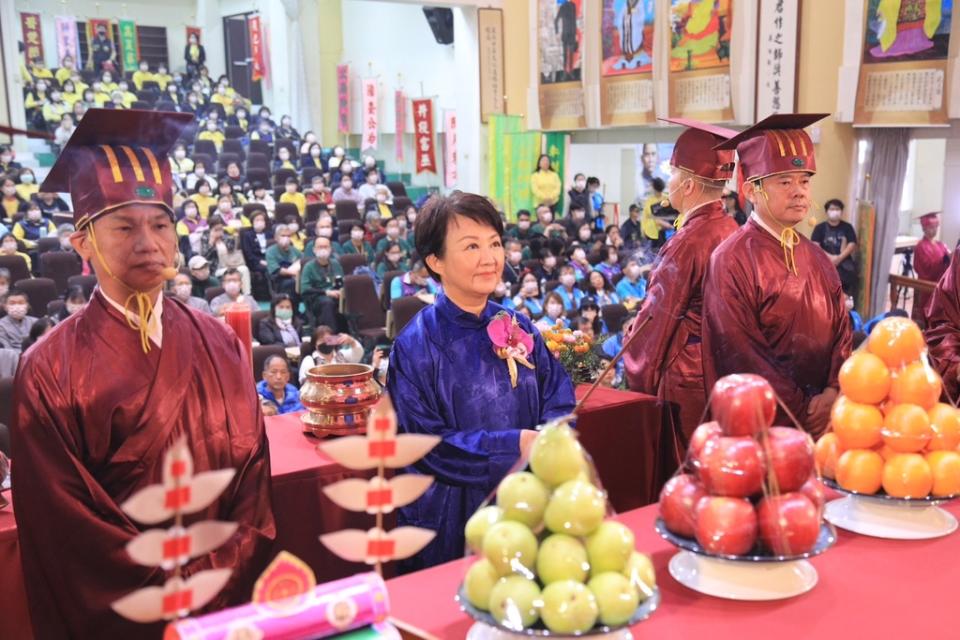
[
  {"x": 632, "y": 287},
  {"x": 324, "y": 229},
  {"x": 15, "y": 326},
  {"x": 223, "y": 98},
  {"x": 194, "y": 55},
  {"x": 529, "y": 294},
  {"x": 318, "y": 193},
  {"x": 548, "y": 269},
  {"x": 773, "y": 304},
  {"x": 569, "y": 293},
  {"x": 212, "y": 133},
  {"x": 513, "y": 264},
  {"x": 180, "y": 165},
  {"x": 68, "y": 67},
  {"x": 4, "y": 284},
  {"x": 838, "y": 239},
  {"x": 12, "y": 202},
  {"x": 578, "y": 260},
  {"x": 524, "y": 230},
  {"x": 392, "y": 229},
  {"x": 190, "y": 228},
  {"x": 51, "y": 203},
  {"x": 393, "y": 258},
  {"x": 575, "y": 221},
  {"x": 553, "y": 313},
  {"x": 292, "y": 194},
  {"x": 318, "y": 283},
  {"x": 183, "y": 291},
  {"x": 346, "y": 192},
  {"x": 74, "y": 301},
  {"x": 384, "y": 201},
  {"x": 369, "y": 188},
  {"x": 240, "y": 118},
  {"x": 33, "y": 226},
  {"x": 283, "y": 262},
  {"x": 162, "y": 78},
  {"x": 313, "y": 156},
  {"x": 578, "y": 195},
  {"x": 227, "y": 213},
  {"x": 33, "y": 102},
  {"x": 191, "y": 103},
  {"x": 283, "y": 160},
  {"x": 264, "y": 132},
  {"x": 54, "y": 109},
  {"x": 27, "y": 186},
  {"x": 254, "y": 242},
  {"x": 281, "y": 326},
  {"x": 357, "y": 244},
  {"x": 198, "y": 177},
  {"x": 64, "y": 231},
  {"x": 232, "y": 282},
  {"x": 309, "y": 139},
  {"x": 330, "y": 348}
]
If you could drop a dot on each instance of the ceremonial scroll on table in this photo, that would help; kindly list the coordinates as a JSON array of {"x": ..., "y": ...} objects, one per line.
[
  {"x": 905, "y": 66},
  {"x": 560, "y": 47},
  {"x": 492, "y": 74},
  {"x": 699, "y": 79},
  {"x": 626, "y": 67}
]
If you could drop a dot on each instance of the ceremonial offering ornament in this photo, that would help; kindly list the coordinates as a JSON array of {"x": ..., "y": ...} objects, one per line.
[
  {"x": 746, "y": 507},
  {"x": 288, "y": 603},
  {"x": 892, "y": 447},
  {"x": 182, "y": 492},
  {"x": 381, "y": 448},
  {"x": 338, "y": 398},
  {"x": 548, "y": 559}
]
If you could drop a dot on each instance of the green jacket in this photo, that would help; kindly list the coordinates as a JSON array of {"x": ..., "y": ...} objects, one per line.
[
  {"x": 316, "y": 278},
  {"x": 277, "y": 258}
]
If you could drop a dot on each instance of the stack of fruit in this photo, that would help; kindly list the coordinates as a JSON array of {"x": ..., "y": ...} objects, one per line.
[
  {"x": 547, "y": 552},
  {"x": 747, "y": 486},
  {"x": 889, "y": 429},
  {"x": 574, "y": 350}
]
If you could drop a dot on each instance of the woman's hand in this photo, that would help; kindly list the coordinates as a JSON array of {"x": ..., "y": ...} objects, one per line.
[{"x": 527, "y": 436}]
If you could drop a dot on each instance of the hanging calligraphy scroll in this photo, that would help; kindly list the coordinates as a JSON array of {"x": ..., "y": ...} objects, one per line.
[
  {"x": 343, "y": 98},
  {"x": 32, "y": 40},
  {"x": 423, "y": 135},
  {"x": 560, "y": 46},
  {"x": 492, "y": 75},
  {"x": 626, "y": 68},
  {"x": 777, "y": 53},
  {"x": 700, "y": 76},
  {"x": 905, "y": 61},
  {"x": 371, "y": 115}
]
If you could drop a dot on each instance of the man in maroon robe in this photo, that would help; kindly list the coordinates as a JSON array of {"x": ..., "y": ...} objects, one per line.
[
  {"x": 104, "y": 395},
  {"x": 930, "y": 260},
  {"x": 943, "y": 328},
  {"x": 773, "y": 303},
  {"x": 666, "y": 359}
]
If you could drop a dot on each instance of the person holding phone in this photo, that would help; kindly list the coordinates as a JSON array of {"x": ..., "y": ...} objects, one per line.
[{"x": 330, "y": 348}]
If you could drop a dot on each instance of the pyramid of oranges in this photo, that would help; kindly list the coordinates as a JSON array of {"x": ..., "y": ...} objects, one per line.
[{"x": 890, "y": 431}]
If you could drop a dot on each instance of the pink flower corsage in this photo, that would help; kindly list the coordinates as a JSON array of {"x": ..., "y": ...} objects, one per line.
[{"x": 510, "y": 342}]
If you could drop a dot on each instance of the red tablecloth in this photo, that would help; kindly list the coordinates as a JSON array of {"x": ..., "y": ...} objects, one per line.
[
  {"x": 868, "y": 588},
  {"x": 619, "y": 429}
]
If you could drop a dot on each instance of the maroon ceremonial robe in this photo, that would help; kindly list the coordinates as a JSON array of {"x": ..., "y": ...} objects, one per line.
[
  {"x": 759, "y": 317},
  {"x": 930, "y": 259},
  {"x": 943, "y": 328},
  {"x": 93, "y": 417},
  {"x": 667, "y": 360}
]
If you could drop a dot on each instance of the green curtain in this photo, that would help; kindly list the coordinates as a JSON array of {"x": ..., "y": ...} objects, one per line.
[
  {"x": 555, "y": 146},
  {"x": 498, "y": 128},
  {"x": 129, "y": 53},
  {"x": 521, "y": 152}
]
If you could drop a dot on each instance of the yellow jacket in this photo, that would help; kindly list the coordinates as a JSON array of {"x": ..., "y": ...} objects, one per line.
[
  {"x": 647, "y": 222},
  {"x": 62, "y": 75},
  {"x": 204, "y": 203},
  {"x": 296, "y": 198},
  {"x": 216, "y": 136},
  {"x": 139, "y": 77},
  {"x": 545, "y": 186}
]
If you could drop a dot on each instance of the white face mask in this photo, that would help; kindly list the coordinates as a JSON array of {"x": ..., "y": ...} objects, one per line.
[
  {"x": 633, "y": 272},
  {"x": 325, "y": 232},
  {"x": 323, "y": 254},
  {"x": 834, "y": 214},
  {"x": 579, "y": 256},
  {"x": 550, "y": 262},
  {"x": 34, "y": 216},
  {"x": 17, "y": 311},
  {"x": 567, "y": 280},
  {"x": 581, "y": 184},
  {"x": 393, "y": 232},
  {"x": 183, "y": 291},
  {"x": 554, "y": 309},
  {"x": 523, "y": 225},
  {"x": 315, "y": 153},
  {"x": 346, "y": 184},
  {"x": 231, "y": 288},
  {"x": 585, "y": 236},
  {"x": 356, "y": 235},
  {"x": 259, "y": 226},
  {"x": 9, "y": 247},
  {"x": 530, "y": 287},
  {"x": 516, "y": 257},
  {"x": 500, "y": 291},
  {"x": 283, "y": 241},
  {"x": 73, "y": 308},
  {"x": 180, "y": 154},
  {"x": 65, "y": 244},
  {"x": 381, "y": 198}
]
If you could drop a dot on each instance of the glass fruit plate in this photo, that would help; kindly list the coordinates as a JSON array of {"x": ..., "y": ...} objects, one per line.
[
  {"x": 883, "y": 497},
  {"x": 644, "y": 611},
  {"x": 826, "y": 539}
]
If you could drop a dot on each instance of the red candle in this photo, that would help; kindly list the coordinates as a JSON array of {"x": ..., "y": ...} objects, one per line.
[{"x": 237, "y": 317}]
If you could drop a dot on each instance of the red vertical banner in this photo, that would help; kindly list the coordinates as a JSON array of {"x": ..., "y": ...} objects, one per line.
[
  {"x": 423, "y": 135},
  {"x": 258, "y": 61},
  {"x": 32, "y": 41},
  {"x": 401, "y": 125},
  {"x": 343, "y": 98},
  {"x": 371, "y": 114}
]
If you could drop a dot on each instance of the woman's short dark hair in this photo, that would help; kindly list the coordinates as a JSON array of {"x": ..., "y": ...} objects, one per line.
[
  {"x": 434, "y": 219},
  {"x": 76, "y": 292},
  {"x": 833, "y": 202},
  {"x": 276, "y": 300}
]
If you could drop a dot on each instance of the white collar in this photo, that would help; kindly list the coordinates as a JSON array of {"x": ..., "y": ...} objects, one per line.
[
  {"x": 156, "y": 329},
  {"x": 763, "y": 225}
]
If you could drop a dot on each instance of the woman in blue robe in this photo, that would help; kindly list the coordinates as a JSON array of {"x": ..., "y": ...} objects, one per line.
[{"x": 446, "y": 379}]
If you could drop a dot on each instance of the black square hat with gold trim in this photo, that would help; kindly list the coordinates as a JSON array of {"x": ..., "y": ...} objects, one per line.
[
  {"x": 777, "y": 144},
  {"x": 117, "y": 158}
]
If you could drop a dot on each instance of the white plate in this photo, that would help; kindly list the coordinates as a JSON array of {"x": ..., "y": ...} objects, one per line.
[
  {"x": 896, "y": 521},
  {"x": 743, "y": 580},
  {"x": 481, "y": 631}
]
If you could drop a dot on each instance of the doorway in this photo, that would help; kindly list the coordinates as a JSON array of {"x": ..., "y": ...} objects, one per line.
[{"x": 236, "y": 41}]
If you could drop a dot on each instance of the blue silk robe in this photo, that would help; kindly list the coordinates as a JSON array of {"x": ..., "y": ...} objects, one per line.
[{"x": 445, "y": 380}]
